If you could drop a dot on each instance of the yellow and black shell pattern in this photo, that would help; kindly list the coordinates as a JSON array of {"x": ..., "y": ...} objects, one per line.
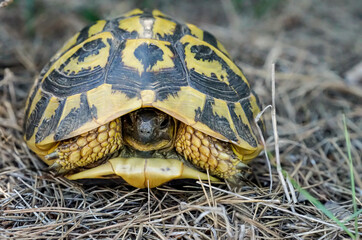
[{"x": 142, "y": 59}]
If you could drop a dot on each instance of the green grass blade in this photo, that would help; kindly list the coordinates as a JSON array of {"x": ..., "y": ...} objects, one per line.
[
  {"x": 354, "y": 215},
  {"x": 348, "y": 144},
  {"x": 319, "y": 205}
]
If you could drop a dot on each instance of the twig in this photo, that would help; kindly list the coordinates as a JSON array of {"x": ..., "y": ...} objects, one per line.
[{"x": 276, "y": 138}]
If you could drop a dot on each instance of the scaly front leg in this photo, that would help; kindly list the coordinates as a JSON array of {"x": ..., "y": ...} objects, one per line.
[
  {"x": 87, "y": 148},
  {"x": 209, "y": 153}
]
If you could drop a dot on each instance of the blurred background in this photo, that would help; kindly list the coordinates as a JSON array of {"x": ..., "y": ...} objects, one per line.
[{"x": 329, "y": 32}]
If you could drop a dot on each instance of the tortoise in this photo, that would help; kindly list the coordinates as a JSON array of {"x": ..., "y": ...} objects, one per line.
[{"x": 145, "y": 98}]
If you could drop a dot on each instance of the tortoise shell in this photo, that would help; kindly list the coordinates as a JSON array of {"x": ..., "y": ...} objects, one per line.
[{"x": 142, "y": 59}]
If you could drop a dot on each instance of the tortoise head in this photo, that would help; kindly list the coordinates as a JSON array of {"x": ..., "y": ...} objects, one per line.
[{"x": 149, "y": 129}]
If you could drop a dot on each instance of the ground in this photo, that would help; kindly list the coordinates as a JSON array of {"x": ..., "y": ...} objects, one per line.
[{"x": 317, "y": 49}]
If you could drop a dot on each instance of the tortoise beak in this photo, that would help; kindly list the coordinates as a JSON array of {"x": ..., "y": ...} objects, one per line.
[{"x": 143, "y": 172}]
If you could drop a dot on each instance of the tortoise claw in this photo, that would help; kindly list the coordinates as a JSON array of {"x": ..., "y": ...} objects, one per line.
[
  {"x": 237, "y": 179},
  {"x": 52, "y": 156},
  {"x": 242, "y": 166},
  {"x": 56, "y": 167}
]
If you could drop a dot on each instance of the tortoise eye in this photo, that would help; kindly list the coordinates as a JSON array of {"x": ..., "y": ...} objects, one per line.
[
  {"x": 128, "y": 118},
  {"x": 164, "y": 123}
]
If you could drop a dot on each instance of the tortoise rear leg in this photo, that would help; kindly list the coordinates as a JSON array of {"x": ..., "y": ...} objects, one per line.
[
  {"x": 87, "y": 148},
  {"x": 208, "y": 153}
]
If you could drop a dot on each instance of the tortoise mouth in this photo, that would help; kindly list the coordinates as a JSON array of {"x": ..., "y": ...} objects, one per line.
[{"x": 143, "y": 172}]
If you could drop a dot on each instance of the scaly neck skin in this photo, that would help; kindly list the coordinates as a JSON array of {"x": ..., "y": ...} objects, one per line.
[{"x": 149, "y": 129}]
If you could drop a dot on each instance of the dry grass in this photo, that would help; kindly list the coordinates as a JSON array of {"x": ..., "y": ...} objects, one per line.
[{"x": 313, "y": 46}]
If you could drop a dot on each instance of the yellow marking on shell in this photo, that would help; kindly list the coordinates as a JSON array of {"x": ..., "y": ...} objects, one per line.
[
  {"x": 92, "y": 61},
  {"x": 129, "y": 59},
  {"x": 99, "y": 97},
  {"x": 71, "y": 103},
  {"x": 168, "y": 56},
  {"x": 48, "y": 113},
  {"x": 156, "y": 13},
  {"x": 96, "y": 28},
  {"x": 133, "y": 12},
  {"x": 41, "y": 150},
  {"x": 110, "y": 104},
  {"x": 147, "y": 97},
  {"x": 174, "y": 105},
  {"x": 254, "y": 106},
  {"x": 66, "y": 46},
  {"x": 220, "y": 108},
  {"x": 131, "y": 24},
  {"x": 246, "y": 151},
  {"x": 239, "y": 111},
  {"x": 222, "y": 48},
  {"x": 122, "y": 104},
  {"x": 50, "y": 110},
  {"x": 209, "y": 67},
  {"x": 163, "y": 27},
  {"x": 196, "y": 31}
]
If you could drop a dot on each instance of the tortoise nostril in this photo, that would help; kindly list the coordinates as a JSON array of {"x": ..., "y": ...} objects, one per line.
[
  {"x": 146, "y": 128},
  {"x": 145, "y": 131}
]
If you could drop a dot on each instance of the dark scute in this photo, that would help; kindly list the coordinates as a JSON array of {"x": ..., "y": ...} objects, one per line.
[
  {"x": 177, "y": 34},
  {"x": 147, "y": 13},
  {"x": 123, "y": 78},
  {"x": 217, "y": 123},
  {"x": 234, "y": 91},
  {"x": 242, "y": 129},
  {"x": 30, "y": 102},
  {"x": 187, "y": 31},
  {"x": 88, "y": 49},
  {"x": 260, "y": 122},
  {"x": 165, "y": 82},
  {"x": 93, "y": 45},
  {"x": 122, "y": 34},
  {"x": 33, "y": 121},
  {"x": 204, "y": 53},
  {"x": 212, "y": 86},
  {"x": 49, "y": 125},
  {"x": 75, "y": 118},
  {"x": 209, "y": 38},
  {"x": 63, "y": 86},
  {"x": 148, "y": 55},
  {"x": 83, "y": 35}
]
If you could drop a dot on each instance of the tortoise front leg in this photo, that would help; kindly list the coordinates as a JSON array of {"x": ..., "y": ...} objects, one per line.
[
  {"x": 208, "y": 153},
  {"x": 87, "y": 148}
]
